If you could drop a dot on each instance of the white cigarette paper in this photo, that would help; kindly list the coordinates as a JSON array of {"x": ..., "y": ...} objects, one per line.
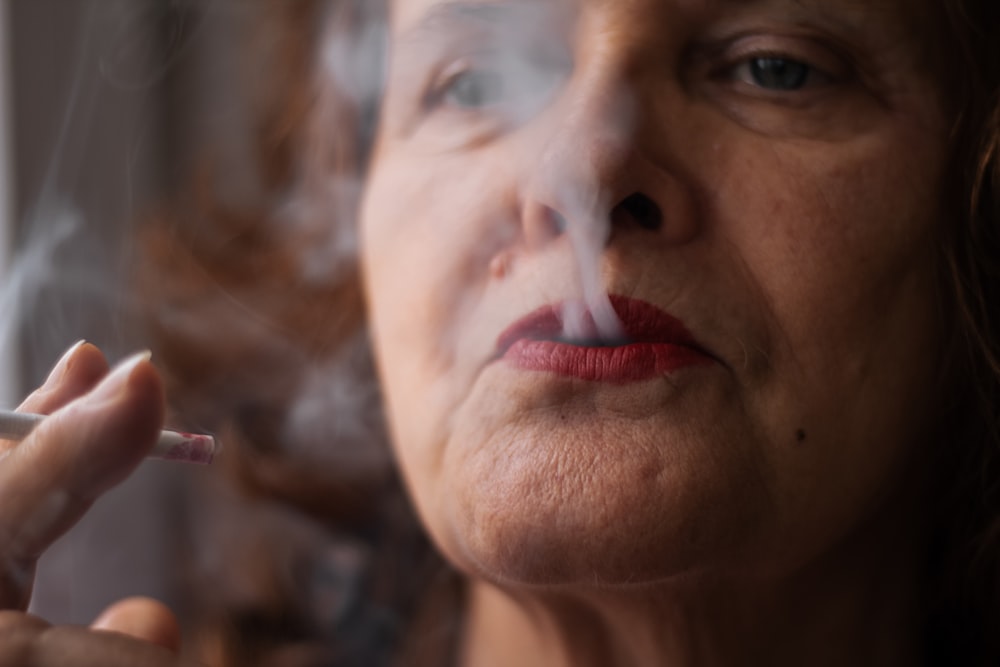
[{"x": 171, "y": 446}]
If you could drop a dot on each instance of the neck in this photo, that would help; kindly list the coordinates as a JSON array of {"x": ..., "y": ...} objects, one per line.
[{"x": 857, "y": 609}]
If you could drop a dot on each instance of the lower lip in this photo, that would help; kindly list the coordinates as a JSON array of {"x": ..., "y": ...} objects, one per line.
[{"x": 623, "y": 364}]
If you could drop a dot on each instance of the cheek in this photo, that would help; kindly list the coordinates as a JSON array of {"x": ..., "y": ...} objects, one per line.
[
  {"x": 430, "y": 233},
  {"x": 430, "y": 227},
  {"x": 429, "y": 230},
  {"x": 838, "y": 249},
  {"x": 816, "y": 260}
]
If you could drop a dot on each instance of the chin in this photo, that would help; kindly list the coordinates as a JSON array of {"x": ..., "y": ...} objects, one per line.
[
  {"x": 587, "y": 519},
  {"x": 577, "y": 490},
  {"x": 545, "y": 559}
]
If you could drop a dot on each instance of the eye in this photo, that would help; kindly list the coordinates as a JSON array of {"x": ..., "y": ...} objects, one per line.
[
  {"x": 474, "y": 89},
  {"x": 776, "y": 73},
  {"x": 514, "y": 86}
]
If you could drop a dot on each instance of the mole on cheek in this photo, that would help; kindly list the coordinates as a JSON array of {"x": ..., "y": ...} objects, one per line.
[{"x": 800, "y": 436}]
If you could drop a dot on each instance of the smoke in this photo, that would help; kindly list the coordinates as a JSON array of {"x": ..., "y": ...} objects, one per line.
[
  {"x": 123, "y": 132},
  {"x": 335, "y": 421},
  {"x": 114, "y": 102},
  {"x": 589, "y": 229},
  {"x": 87, "y": 158},
  {"x": 513, "y": 67},
  {"x": 589, "y": 207},
  {"x": 50, "y": 288}
]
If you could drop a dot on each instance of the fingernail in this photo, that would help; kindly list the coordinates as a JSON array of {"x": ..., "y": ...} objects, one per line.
[
  {"x": 117, "y": 379},
  {"x": 63, "y": 365}
]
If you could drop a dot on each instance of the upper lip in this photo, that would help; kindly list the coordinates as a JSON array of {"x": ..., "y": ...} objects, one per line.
[{"x": 643, "y": 323}]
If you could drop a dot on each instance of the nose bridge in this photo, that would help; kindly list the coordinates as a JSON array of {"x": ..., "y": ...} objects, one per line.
[
  {"x": 596, "y": 164},
  {"x": 590, "y": 143},
  {"x": 583, "y": 151},
  {"x": 597, "y": 161}
]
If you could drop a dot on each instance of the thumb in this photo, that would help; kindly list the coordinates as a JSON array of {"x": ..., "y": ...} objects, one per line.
[{"x": 142, "y": 618}]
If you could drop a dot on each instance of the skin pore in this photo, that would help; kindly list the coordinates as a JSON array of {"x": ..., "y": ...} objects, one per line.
[{"x": 763, "y": 508}]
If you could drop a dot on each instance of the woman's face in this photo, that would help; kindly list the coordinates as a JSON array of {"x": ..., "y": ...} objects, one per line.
[{"x": 776, "y": 277}]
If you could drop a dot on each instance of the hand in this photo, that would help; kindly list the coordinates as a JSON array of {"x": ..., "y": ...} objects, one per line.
[
  {"x": 133, "y": 633},
  {"x": 102, "y": 426}
]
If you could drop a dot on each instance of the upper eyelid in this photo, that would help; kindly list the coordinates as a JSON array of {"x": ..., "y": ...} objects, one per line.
[
  {"x": 718, "y": 58},
  {"x": 438, "y": 80},
  {"x": 437, "y": 87},
  {"x": 821, "y": 57},
  {"x": 489, "y": 55}
]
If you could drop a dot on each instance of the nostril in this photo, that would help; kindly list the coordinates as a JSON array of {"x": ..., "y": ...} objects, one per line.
[
  {"x": 641, "y": 209},
  {"x": 558, "y": 222}
]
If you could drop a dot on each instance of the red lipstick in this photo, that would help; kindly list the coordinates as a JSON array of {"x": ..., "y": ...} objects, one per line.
[{"x": 657, "y": 344}]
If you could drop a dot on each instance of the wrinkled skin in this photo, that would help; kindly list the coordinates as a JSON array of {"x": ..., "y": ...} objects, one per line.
[
  {"x": 760, "y": 509},
  {"x": 102, "y": 426},
  {"x": 797, "y": 244}
]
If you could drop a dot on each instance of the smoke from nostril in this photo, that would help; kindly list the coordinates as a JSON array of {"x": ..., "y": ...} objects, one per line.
[
  {"x": 584, "y": 182},
  {"x": 592, "y": 317}
]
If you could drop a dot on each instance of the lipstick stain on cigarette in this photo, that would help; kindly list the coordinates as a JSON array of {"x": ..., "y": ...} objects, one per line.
[{"x": 191, "y": 449}]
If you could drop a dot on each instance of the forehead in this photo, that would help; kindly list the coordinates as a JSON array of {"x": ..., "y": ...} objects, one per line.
[
  {"x": 901, "y": 12},
  {"x": 906, "y": 33}
]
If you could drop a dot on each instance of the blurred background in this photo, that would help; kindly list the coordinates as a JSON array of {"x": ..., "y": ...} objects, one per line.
[{"x": 106, "y": 104}]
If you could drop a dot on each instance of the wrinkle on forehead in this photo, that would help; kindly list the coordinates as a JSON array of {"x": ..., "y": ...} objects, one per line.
[
  {"x": 913, "y": 26},
  {"x": 454, "y": 14},
  {"x": 919, "y": 24},
  {"x": 424, "y": 15},
  {"x": 903, "y": 8}
]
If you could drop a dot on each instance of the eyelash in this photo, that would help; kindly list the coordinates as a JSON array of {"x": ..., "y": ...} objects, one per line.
[
  {"x": 515, "y": 85},
  {"x": 753, "y": 71},
  {"x": 746, "y": 69},
  {"x": 819, "y": 63},
  {"x": 439, "y": 93}
]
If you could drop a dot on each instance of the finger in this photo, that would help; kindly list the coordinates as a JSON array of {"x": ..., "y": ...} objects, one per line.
[
  {"x": 30, "y": 644},
  {"x": 49, "y": 480},
  {"x": 78, "y": 371},
  {"x": 142, "y": 618},
  {"x": 18, "y": 632},
  {"x": 16, "y": 621}
]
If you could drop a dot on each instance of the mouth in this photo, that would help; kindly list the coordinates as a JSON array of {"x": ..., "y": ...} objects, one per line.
[{"x": 655, "y": 344}]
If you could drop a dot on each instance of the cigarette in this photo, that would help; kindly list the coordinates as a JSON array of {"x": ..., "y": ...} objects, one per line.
[{"x": 171, "y": 445}]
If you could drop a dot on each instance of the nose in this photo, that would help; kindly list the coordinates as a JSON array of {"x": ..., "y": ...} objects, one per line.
[
  {"x": 640, "y": 209},
  {"x": 598, "y": 165}
]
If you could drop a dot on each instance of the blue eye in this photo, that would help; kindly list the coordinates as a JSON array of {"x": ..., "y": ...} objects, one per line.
[
  {"x": 779, "y": 74},
  {"x": 474, "y": 89}
]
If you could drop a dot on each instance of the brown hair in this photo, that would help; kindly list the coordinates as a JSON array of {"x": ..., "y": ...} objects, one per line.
[
  {"x": 237, "y": 329},
  {"x": 236, "y": 376},
  {"x": 965, "y": 560}
]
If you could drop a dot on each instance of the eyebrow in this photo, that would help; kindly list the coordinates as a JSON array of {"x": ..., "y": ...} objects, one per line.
[{"x": 452, "y": 14}]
